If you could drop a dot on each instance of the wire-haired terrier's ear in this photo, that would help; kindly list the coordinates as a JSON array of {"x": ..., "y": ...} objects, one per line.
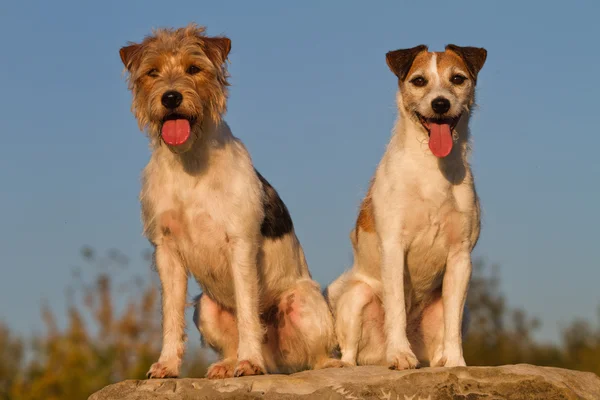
[
  {"x": 130, "y": 55},
  {"x": 217, "y": 49}
]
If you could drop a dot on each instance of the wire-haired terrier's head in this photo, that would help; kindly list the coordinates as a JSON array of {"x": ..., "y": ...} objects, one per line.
[{"x": 178, "y": 78}]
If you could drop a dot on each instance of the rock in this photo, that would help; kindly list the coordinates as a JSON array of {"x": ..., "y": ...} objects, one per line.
[{"x": 512, "y": 382}]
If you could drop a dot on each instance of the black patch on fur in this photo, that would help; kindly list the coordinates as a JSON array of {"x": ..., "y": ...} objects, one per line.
[
  {"x": 277, "y": 221},
  {"x": 269, "y": 317}
]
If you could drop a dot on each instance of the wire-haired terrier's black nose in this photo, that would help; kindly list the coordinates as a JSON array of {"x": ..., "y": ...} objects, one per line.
[
  {"x": 440, "y": 105},
  {"x": 171, "y": 99}
]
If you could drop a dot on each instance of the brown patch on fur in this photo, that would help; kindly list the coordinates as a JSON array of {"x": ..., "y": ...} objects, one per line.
[
  {"x": 473, "y": 57},
  {"x": 412, "y": 95},
  {"x": 366, "y": 218},
  {"x": 449, "y": 59},
  {"x": 171, "y": 224},
  {"x": 400, "y": 61},
  {"x": 421, "y": 62},
  {"x": 270, "y": 316},
  {"x": 290, "y": 299},
  {"x": 281, "y": 320},
  {"x": 160, "y": 63}
]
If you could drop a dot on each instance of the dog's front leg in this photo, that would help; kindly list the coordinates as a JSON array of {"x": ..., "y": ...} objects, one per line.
[
  {"x": 454, "y": 295},
  {"x": 399, "y": 353},
  {"x": 173, "y": 279},
  {"x": 245, "y": 281}
]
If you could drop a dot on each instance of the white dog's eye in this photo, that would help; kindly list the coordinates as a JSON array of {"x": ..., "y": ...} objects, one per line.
[
  {"x": 458, "y": 79},
  {"x": 418, "y": 81}
]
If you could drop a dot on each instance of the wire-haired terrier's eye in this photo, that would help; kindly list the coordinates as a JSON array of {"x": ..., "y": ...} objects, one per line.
[
  {"x": 193, "y": 70},
  {"x": 153, "y": 73}
]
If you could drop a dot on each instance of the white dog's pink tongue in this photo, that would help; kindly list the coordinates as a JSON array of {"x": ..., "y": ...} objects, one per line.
[
  {"x": 176, "y": 132},
  {"x": 440, "y": 139}
]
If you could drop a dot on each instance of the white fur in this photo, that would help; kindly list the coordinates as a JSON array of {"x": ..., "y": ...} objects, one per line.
[
  {"x": 213, "y": 196},
  {"x": 427, "y": 222},
  {"x": 216, "y": 240},
  {"x": 208, "y": 213}
]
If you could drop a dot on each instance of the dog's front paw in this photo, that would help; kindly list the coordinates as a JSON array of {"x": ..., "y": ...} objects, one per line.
[
  {"x": 447, "y": 360},
  {"x": 162, "y": 369},
  {"x": 221, "y": 369},
  {"x": 331, "y": 363},
  {"x": 403, "y": 360},
  {"x": 248, "y": 368}
]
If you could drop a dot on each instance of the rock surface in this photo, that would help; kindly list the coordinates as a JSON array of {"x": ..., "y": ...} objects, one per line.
[{"x": 512, "y": 382}]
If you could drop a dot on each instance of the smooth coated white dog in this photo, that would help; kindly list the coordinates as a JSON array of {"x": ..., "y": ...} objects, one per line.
[{"x": 403, "y": 300}]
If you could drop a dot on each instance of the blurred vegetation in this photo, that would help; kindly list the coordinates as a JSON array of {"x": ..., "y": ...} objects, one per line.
[
  {"x": 499, "y": 334},
  {"x": 113, "y": 333}
]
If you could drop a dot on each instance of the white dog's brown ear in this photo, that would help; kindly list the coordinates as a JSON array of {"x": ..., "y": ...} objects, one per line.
[
  {"x": 474, "y": 57},
  {"x": 130, "y": 55},
  {"x": 217, "y": 48},
  {"x": 400, "y": 61}
]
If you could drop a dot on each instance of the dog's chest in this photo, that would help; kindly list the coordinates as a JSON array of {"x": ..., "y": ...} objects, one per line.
[
  {"x": 431, "y": 225},
  {"x": 190, "y": 218},
  {"x": 437, "y": 219}
]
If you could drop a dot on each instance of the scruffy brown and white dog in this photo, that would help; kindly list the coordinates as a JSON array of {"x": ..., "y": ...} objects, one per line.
[
  {"x": 403, "y": 300},
  {"x": 210, "y": 214}
]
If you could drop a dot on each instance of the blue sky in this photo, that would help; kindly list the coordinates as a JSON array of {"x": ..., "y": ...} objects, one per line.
[{"x": 313, "y": 100}]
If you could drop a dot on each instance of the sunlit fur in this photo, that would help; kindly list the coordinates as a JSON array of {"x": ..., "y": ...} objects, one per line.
[
  {"x": 170, "y": 52},
  {"x": 203, "y": 209},
  {"x": 402, "y": 302},
  {"x": 437, "y": 69}
]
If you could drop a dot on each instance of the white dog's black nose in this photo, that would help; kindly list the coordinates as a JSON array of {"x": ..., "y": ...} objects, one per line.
[
  {"x": 171, "y": 99},
  {"x": 440, "y": 105}
]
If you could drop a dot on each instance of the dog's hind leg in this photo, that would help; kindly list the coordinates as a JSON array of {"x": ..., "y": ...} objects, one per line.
[
  {"x": 303, "y": 335},
  {"x": 350, "y": 314},
  {"x": 219, "y": 331},
  {"x": 426, "y": 334}
]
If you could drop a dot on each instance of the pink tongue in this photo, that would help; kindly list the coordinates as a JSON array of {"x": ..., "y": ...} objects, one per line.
[
  {"x": 176, "y": 132},
  {"x": 440, "y": 139}
]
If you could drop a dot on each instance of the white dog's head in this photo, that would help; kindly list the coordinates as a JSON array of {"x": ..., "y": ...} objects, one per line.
[{"x": 436, "y": 88}]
